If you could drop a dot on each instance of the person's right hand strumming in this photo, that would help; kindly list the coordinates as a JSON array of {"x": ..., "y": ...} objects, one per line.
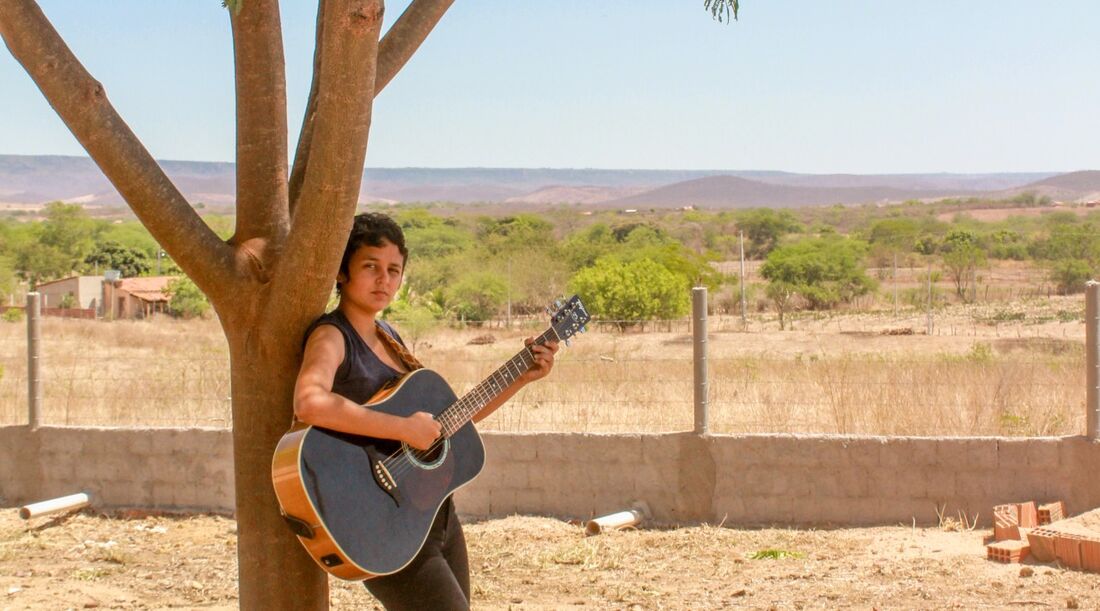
[{"x": 421, "y": 430}]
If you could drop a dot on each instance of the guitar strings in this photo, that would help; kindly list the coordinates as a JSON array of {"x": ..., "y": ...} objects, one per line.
[
  {"x": 401, "y": 462},
  {"x": 470, "y": 404}
]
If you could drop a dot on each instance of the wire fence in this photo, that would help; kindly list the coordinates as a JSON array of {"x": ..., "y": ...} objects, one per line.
[{"x": 846, "y": 375}]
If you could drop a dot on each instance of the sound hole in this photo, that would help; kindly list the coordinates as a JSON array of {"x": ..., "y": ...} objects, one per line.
[{"x": 428, "y": 459}]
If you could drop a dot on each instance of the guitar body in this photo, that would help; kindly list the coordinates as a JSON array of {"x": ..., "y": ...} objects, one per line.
[{"x": 363, "y": 506}]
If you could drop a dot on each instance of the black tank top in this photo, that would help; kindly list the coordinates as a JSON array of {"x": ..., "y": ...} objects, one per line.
[{"x": 362, "y": 373}]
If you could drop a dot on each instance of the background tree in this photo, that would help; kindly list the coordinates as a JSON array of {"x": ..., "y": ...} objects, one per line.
[
  {"x": 962, "y": 256},
  {"x": 185, "y": 299},
  {"x": 823, "y": 271},
  {"x": 764, "y": 228},
  {"x": 1071, "y": 275},
  {"x": 476, "y": 296},
  {"x": 130, "y": 261},
  {"x": 629, "y": 291}
]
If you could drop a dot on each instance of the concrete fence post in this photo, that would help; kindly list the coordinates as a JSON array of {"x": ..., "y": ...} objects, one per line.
[
  {"x": 34, "y": 346},
  {"x": 1092, "y": 358},
  {"x": 699, "y": 337}
]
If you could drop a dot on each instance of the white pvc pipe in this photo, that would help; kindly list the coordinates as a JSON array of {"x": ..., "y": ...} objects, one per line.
[
  {"x": 614, "y": 521},
  {"x": 65, "y": 503}
]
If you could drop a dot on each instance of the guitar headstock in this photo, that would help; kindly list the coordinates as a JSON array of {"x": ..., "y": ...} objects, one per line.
[{"x": 569, "y": 319}]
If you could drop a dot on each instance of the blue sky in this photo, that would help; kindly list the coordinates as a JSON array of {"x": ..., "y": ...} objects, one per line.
[{"x": 871, "y": 86}]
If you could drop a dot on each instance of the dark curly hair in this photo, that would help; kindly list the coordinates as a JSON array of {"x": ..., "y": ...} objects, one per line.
[{"x": 372, "y": 229}]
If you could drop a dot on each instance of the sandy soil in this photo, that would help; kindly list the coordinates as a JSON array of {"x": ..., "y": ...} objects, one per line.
[{"x": 88, "y": 560}]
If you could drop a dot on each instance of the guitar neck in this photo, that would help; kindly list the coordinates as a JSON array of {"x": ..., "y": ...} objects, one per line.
[{"x": 463, "y": 410}]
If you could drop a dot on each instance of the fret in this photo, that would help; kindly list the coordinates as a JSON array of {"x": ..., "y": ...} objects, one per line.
[{"x": 463, "y": 410}]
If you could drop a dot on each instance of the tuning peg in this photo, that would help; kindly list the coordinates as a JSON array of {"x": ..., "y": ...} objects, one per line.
[
  {"x": 568, "y": 342},
  {"x": 558, "y": 303},
  {"x": 584, "y": 329}
]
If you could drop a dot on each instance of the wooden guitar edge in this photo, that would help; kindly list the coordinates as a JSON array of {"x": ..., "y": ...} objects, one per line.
[{"x": 294, "y": 503}]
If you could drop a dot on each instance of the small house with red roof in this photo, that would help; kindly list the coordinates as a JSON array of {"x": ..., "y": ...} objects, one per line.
[{"x": 144, "y": 297}]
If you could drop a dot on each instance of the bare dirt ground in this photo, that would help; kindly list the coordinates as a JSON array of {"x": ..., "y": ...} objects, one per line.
[{"x": 89, "y": 560}]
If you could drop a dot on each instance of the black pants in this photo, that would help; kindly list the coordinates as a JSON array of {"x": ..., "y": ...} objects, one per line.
[{"x": 439, "y": 576}]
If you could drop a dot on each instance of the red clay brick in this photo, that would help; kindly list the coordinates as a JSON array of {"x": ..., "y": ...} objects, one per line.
[
  {"x": 1006, "y": 522},
  {"x": 1090, "y": 555},
  {"x": 1051, "y": 512},
  {"x": 1007, "y": 551},
  {"x": 1067, "y": 548},
  {"x": 1028, "y": 515},
  {"x": 1042, "y": 544}
]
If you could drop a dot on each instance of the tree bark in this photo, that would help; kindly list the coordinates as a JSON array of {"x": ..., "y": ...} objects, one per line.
[
  {"x": 405, "y": 36},
  {"x": 274, "y": 571},
  {"x": 337, "y": 151},
  {"x": 399, "y": 44},
  {"x": 261, "y": 202}
]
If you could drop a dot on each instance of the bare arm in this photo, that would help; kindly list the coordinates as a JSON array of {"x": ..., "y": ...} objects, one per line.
[
  {"x": 544, "y": 362},
  {"x": 316, "y": 404}
]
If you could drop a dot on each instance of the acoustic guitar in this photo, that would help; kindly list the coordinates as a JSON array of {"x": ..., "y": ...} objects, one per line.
[{"x": 362, "y": 506}]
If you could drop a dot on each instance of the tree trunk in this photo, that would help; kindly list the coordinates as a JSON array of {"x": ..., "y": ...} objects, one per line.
[{"x": 274, "y": 570}]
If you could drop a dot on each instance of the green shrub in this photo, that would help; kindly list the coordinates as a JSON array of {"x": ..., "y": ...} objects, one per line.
[{"x": 186, "y": 300}]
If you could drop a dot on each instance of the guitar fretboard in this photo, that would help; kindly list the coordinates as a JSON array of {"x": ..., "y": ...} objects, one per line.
[{"x": 461, "y": 411}]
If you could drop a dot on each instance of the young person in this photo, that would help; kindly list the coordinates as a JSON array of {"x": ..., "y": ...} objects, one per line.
[{"x": 349, "y": 356}]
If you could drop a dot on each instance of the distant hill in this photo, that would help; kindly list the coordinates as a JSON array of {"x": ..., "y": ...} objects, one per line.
[
  {"x": 40, "y": 179},
  {"x": 29, "y": 181},
  {"x": 1073, "y": 187},
  {"x": 934, "y": 182},
  {"x": 735, "y": 192},
  {"x": 574, "y": 195}
]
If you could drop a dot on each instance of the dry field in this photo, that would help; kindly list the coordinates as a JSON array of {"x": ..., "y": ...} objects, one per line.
[
  {"x": 992, "y": 215},
  {"x": 188, "y": 562},
  {"x": 1015, "y": 369}
]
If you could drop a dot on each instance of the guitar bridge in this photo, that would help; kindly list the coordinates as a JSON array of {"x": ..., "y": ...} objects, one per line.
[{"x": 382, "y": 475}]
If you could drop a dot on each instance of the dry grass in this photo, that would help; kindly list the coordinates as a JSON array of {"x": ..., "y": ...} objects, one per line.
[
  {"x": 996, "y": 370},
  {"x": 120, "y": 373}
]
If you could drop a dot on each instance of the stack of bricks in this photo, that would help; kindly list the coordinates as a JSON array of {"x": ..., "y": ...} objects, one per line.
[
  {"x": 1045, "y": 533},
  {"x": 1073, "y": 542},
  {"x": 1011, "y": 526}
]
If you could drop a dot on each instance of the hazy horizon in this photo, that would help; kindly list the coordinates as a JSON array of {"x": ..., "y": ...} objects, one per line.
[{"x": 848, "y": 87}]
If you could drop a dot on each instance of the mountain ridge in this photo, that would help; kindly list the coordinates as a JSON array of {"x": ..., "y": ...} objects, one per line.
[{"x": 33, "y": 180}]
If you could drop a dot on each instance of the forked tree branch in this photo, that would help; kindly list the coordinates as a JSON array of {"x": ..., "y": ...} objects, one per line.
[
  {"x": 305, "y": 137},
  {"x": 405, "y": 36},
  {"x": 330, "y": 183},
  {"x": 83, "y": 105},
  {"x": 262, "y": 211},
  {"x": 398, "y": 45}
]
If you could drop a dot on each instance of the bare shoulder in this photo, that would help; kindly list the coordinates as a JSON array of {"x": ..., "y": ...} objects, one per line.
[{"x": 324, "y": 344}]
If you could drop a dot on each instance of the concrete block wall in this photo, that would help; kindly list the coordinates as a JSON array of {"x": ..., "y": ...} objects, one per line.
[
  {"x": 171, "y": 469},
  {"x": 684, "y": 478},
  {"x": 779, "y": 479}
]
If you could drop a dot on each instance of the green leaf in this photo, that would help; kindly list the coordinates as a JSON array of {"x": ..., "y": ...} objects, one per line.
[{"x": 720, "y": 9}]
